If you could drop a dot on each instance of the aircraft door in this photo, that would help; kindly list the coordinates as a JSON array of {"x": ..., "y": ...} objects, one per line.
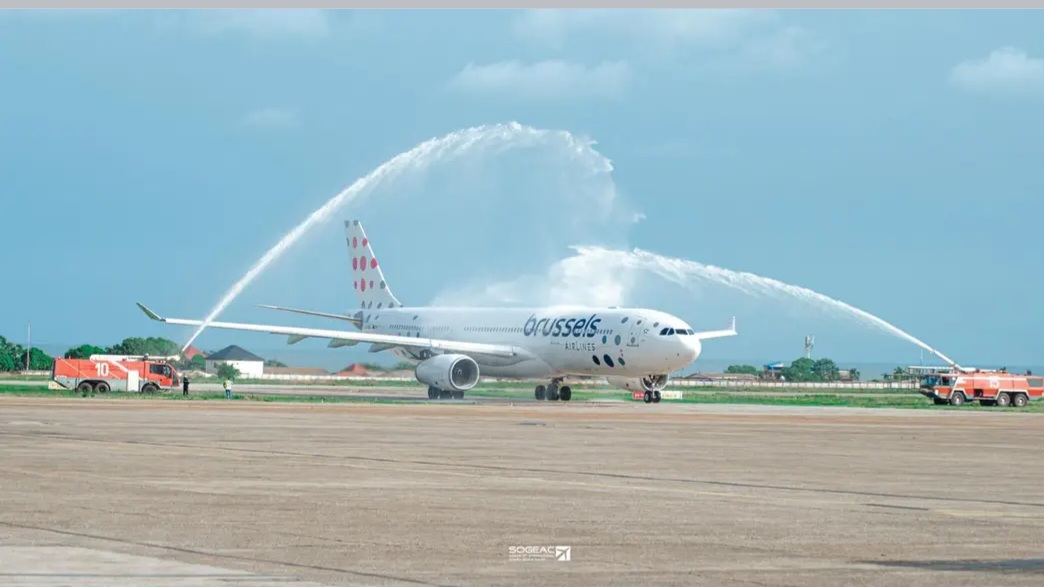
[{"x": 638, "y": 330}]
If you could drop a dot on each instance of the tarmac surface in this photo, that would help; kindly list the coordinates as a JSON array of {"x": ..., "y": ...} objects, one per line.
[{"x": 151, "y": 492}]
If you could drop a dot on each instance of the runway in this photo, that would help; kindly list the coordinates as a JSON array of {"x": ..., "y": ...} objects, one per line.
[{"x": 153, "y": 493}]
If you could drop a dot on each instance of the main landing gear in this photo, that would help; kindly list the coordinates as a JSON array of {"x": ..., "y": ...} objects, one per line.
[
  {"x": 436, "y": 393},
  {"x": 554, "y": 391},
  {"x": 652, "y": 397}
]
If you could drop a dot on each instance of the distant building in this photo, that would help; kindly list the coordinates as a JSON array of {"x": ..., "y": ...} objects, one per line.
[
  {"x": 248, "y": 364},
  {"x": 774, "y": 370},
  {"x": 355, "y": 369},
  {"x": 192, "y": 352},
  {"x": 721, "y": 377}
]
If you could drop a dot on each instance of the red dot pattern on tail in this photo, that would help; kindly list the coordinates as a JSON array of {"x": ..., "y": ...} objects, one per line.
[
  {"x": 362, "y": 263},
  {"x": 355, "y": 263},
  {"x": 355, "y": 242},
  {"x": 373, "y": 263},
  {"x": 363, "y": 286}
]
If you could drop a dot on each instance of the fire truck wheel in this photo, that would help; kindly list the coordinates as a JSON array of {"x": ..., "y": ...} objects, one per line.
[
  {"x": 956, "y": 399},
  {"x": 1020, "y": 400},
  {"x": 149, "y": 388},
  {"x": 1003, "y": 400},
  {"x": 84, "y": 387},
  {"x": 102, "y": 387}
]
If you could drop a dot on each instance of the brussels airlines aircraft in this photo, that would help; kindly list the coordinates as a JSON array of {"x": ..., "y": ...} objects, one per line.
[{"x": 633, "y": 348}]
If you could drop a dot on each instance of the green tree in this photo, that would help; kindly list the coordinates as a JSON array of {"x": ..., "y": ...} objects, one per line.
[
  {"x": 197, "y": 363},
  {"x": 38, "y": 360},
  {"x": 853, "y": 374},
  {"x": 7, "y": 362},
  {"x": 9, "y": 353},
  {"x": 372, "y": 367},
  {"x": 402, "y": 366},
  {"x": 274, "y": 363},
  {"x": 152, "y": 346},
  {"x": 800, "y": 371},
  {"x": 743, "y": 370},
  {"x": 227, "y": 371},
  {"x": 84, "y": 351},
  {"x": 826, "y": 370}
]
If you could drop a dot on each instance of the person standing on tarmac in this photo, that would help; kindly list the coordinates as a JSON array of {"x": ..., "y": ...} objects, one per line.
[
  {"x": 184, "y": 385},
  {"x": 228, "y": 389}
]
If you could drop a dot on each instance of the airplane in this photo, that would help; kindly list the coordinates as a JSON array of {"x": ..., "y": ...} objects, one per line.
[{"x": 633, "y": 348}]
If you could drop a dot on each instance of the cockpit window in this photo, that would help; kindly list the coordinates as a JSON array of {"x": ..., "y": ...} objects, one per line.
[{"x": 676, "y": 331}]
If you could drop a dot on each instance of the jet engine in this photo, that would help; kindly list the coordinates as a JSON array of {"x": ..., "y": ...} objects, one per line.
[
  {"x": 646, "y": 383},
  {"x": 449, "y": 372}
]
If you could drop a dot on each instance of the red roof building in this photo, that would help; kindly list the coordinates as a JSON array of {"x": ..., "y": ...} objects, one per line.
[{"x": 354, "y": 369}]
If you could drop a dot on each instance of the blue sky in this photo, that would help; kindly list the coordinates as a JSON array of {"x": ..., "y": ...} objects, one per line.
[{"x": 891, "y": 159}]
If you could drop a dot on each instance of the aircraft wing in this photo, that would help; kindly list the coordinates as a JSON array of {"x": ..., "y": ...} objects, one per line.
[
  {"x": 344, "y": 338},
  {"x": 731, "y": 331}
]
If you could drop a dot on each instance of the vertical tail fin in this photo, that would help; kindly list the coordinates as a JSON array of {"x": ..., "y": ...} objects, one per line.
[{"x": 367, "y": 278}]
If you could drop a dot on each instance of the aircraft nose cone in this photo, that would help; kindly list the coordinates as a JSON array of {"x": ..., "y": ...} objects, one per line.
[{"x": 693, "y": 348}]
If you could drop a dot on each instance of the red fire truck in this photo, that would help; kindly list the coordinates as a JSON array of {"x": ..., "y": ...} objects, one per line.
[
  {"x": 955, "y": 386},
  {"x": 103, "y": 373}
]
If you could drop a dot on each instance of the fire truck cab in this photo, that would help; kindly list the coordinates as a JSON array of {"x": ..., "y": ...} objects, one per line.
[{"x": 988, "y": 387}]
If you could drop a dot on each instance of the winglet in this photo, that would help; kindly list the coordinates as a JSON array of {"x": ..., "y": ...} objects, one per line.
[
  {"x": 152, "y": 315},
  {"x": 733, "y": 328}
]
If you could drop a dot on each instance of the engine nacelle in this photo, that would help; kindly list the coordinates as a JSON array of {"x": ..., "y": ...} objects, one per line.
[
  {"x": 646, "y": 383},
  {"x": 449, "y": 372}
]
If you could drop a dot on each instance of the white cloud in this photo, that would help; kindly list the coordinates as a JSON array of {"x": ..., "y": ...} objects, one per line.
[
  {"x": 1005, "y": 70},
  {"x": 742, "y": 38},
  {"x": 268, "y": 24},
  {"x": 271, "y": 118},
  {"x": 545, "y": 79}
]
